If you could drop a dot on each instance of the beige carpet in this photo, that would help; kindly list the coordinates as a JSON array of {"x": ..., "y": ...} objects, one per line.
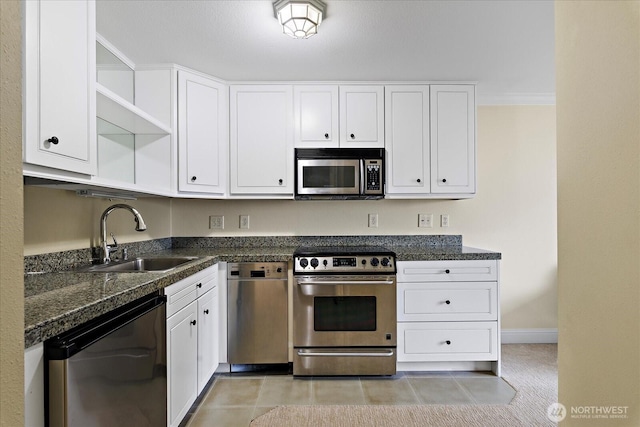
[{"x": 530, "y": 368}]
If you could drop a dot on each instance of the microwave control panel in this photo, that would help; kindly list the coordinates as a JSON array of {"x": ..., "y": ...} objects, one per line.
[{"x": 373, "y": 176}]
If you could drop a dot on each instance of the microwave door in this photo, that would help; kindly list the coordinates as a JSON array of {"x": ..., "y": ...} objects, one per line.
[{"x": 329, "y": 177}]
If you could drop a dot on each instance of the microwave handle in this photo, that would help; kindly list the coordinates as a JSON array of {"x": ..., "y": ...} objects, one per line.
[{"x": 363, "y": 182}]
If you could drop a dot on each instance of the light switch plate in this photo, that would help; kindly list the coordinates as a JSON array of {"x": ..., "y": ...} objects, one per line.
[
  {"x": 373, "y": 220},
  {"x": 244, "y": 222},
  {"x": 444, "y": 220}
]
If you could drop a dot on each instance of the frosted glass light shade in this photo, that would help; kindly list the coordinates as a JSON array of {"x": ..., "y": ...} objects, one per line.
[{"x": 299, "y": 18}]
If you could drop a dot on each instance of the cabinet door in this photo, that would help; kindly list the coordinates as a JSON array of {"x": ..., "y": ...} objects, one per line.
[
  {"x": 182, "y": 375},
  {"x": 60, "y": 75},
  {"x": 261, "y": 139},
  {"x": 407, "y": 139},
  {"x": 316, "y": 116},
  {"x": 453, "y": 125},
  {"x": 202, "y": 134},
  {"x": 362, "y": 116},
  {"x": 208, "y": 336}
]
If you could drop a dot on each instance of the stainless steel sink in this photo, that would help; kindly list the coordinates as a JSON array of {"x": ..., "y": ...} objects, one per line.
[{"x": 141, "y": 265}]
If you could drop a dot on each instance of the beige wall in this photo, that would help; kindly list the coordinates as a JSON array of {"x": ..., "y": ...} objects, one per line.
[
  {"x": 11, "y": 278},
  {"x": 598, "y": 115},
  {"x": 58, "y": 220},
  {"x": 513, "y": 213}
]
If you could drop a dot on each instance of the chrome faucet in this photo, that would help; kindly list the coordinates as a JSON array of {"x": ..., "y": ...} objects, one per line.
[{"x": 105, "y": 249}]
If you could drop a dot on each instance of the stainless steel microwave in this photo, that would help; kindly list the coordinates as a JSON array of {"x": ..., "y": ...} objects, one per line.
[{"x": 339, "y": 173}]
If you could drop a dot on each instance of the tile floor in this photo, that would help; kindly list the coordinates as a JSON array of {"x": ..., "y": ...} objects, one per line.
[{"x": 235, "y": 399}]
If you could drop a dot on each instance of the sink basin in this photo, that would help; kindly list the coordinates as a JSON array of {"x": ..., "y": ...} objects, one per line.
[{"x": 141, "y": 265}]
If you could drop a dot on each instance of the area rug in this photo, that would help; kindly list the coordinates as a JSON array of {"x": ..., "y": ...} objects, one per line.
[{"x": 531, "y": 369}]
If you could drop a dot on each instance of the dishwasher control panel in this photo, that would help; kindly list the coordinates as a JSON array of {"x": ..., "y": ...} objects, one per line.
[{"x": 257, "y": 270}]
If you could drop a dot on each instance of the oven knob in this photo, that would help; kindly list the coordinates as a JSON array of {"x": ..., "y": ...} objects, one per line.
[
  {"x": 374, "y": 262},
  {"x": 314, "y": 262},
  {"x": 304, "y": 263},
  {"x": 384, "y": 262}
]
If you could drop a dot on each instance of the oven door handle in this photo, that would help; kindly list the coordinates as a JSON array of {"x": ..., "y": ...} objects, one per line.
[
  {"x": 303, "y": 353},
  {"x": 345, "y": 282}
]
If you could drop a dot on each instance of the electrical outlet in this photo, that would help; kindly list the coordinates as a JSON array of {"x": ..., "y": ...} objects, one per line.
[
  {"x": 373, "y": 220},
  {"x": 216, "y": 222},
  {"x": 244, "y": 222},
  {"x": 425, "y": 220},
  {"x": 444, "y": 220}
]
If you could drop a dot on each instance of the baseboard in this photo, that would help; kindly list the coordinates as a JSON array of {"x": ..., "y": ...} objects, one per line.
[{"x": 529, "y": 336}]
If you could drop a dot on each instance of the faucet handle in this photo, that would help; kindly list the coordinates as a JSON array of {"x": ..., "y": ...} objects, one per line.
[{"x": 115, "y": 242}]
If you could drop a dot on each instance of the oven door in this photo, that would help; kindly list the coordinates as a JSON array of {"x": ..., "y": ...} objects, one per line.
[
  {"x": 328, "y": 177},
  {"x": 345, "y": 311}
]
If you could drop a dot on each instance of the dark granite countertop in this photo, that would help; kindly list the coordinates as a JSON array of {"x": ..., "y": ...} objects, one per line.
[{"x": 58, "y": 301}]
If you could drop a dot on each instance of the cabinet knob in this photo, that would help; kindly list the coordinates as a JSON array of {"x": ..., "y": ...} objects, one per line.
[
  {"x": 53, "y": 140},
  {"x": 352, "y": 136},
  {"x": 447, "y": 302},
  {"x": 448, "y": 342},
  {"x": 199, "y": 285},
  {"x": 444, "y": 179},
  {"x": 447, "y": 271},
  {"x": 193, "y": 322},
  {"x": 326, "y": 136},
  {"x": 418, "y": 180},
  {"x": 280, "y": 181},
  {"x": 193, "y": 178},
  {"x": 206, "y": 311}
]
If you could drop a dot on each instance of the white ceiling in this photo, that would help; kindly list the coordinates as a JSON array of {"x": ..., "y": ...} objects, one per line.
[{"x": 506, "y": 46}]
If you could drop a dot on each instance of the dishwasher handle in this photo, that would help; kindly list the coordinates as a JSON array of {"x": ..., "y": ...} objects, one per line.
[{"x": 67, "y": 344}]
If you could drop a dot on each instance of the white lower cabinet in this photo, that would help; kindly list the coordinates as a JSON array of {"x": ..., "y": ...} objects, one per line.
[
  {"x": 192, "y": 340},
  {"x": 208, "y": 336},
  {"x": 448, "y": 315}
]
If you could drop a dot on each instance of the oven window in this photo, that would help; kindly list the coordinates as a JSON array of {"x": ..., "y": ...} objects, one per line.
[
  {"x": 329, "y": 176},
  {"x": 344, "y": 313}
]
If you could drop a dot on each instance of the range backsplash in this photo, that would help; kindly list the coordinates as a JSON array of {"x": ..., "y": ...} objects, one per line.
[{"x": 66, "y": 260}]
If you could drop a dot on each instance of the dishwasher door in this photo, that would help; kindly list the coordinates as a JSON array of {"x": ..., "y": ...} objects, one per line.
[
  {"x": 257, "y": 313},
  {"x": 110, "y": 371}
]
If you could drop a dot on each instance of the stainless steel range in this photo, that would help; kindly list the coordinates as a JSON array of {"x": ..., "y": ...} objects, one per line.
[{"x": 344, "y": 311}]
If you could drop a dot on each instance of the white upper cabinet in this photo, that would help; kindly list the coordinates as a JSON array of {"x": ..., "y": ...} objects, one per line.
[
  {"x": 362, "y": 116},
  {"x": 203, "y": 134},
  {"x": 453, "y": 143},
  {"x": 60, "y": 73},
  {"x": 261, "y": 154},
  {"x": 316, "y": 116},
  {"x": 407, "y": 139}
]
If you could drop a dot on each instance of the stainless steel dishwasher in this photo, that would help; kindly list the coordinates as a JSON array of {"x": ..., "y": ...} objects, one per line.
[
  {"x": 257, "y": 314},
  {"x": 110, "y": 371}
]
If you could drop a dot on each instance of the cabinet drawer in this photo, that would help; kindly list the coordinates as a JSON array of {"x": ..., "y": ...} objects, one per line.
[
  {"x": 183, "y": 292},
  {"x": 447, "y": 301},
  {"x": 447, "y": 341},
  {"x": 447, "y": 271}
]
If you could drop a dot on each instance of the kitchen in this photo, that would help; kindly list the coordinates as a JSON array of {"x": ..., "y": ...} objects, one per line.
[{"x": 485, "y": 221}]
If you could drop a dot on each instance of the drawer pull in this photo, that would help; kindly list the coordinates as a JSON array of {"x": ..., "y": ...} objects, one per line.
[
  {"x": 447, "y": 302},
  {"x": 448, "y": 342},
  {"x": 447, "y": 271}
]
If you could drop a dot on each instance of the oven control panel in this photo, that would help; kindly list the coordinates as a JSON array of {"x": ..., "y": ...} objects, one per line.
[{"x": 345, "y": 264}]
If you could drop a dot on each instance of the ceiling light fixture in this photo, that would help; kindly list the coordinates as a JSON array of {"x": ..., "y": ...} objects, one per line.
[{"x": 299, "y": 18}]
